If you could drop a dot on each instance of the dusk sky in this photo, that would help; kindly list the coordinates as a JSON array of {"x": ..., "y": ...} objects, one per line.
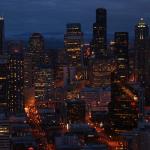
[{"x": 51, "y": 16}]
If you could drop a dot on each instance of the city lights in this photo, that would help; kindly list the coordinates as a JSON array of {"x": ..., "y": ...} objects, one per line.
[{"x": 91, "y": 91}]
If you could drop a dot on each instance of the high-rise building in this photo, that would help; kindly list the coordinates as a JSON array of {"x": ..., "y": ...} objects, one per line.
[
  {"x": 1, "y": 35},
  {"x": 147, "y": 73},
  {"x": 142, "y": 49},
  {"x": 61, "y": 75},
  {"x": 28, "y": 77},
  {"x": 73, "y": 41},
  {"x": 28, "y": 71},
  {"x": 141, "y": 36},
  {"x": 33, "y": 58},
  {"x": 36, "y": 48},
  {"x": 99, "y": 41},
  {"x": 3, "y": 83},
  {"x": 123, "y": 108},
  {"x": 44, "y": 82},
  {"x": 16, "y": 81},
  {"x": 121, "y": 55}
]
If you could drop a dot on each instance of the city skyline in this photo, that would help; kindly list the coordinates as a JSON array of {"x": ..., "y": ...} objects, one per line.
[
  {"x": 89, "y": 92},
  {"x": 44, "y": 16}
]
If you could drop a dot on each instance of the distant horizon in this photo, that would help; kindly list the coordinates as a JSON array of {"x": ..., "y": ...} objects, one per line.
[
  {"x": 59, "y": 36},
  {"x": 56, "y": 40}
]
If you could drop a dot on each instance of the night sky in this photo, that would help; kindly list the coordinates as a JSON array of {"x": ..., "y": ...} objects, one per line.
[{"x": 51, "y": 16}]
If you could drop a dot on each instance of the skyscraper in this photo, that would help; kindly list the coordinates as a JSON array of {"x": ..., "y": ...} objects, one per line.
[
  {"x": 3, "y": 84},
  {"x": 123, "y": 108},
  {"x": 141, "y": 36},
  {"x": 35, "y": 56},
  {"x": 1, "y": 35},
  {"x": 147, "y": 73},
  {"x": 28, "y": 71},
  {"x": 73, "y": 41},
  {"x": 44, "y": 82},
  {"x": 99, "y": 41},
  {"x": 142, "y": 56},
  {"x": 15, "y": 81},
  {"x": 36, "y": 48},
  {"x": 123, "y": 113},
  {"x": 121, "y": 54}
]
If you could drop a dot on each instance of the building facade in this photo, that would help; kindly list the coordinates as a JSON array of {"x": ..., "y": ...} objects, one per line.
[
  {"x": 121, "y": 55},
  {"x": 100, "y": 33},
  {"x": 73, "y": 41},
  {"x": 16, "y": 82}
]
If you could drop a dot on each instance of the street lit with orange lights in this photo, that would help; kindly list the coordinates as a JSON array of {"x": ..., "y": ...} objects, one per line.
[
  {"x": 35, "y": 122},
  {"x": 113, "y": 143}
]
